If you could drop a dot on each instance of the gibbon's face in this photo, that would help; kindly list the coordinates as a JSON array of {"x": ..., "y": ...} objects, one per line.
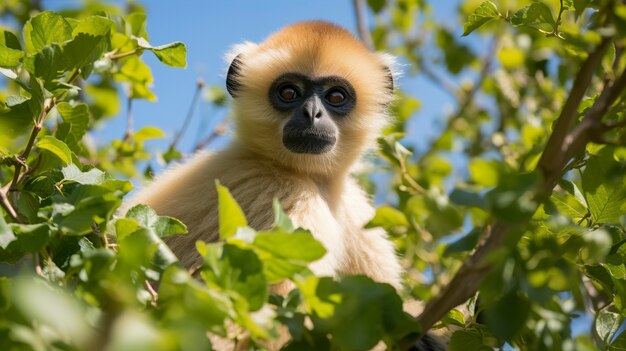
[{"x": 310, "y": 97}]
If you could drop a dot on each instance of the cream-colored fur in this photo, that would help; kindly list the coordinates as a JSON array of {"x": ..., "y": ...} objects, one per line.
[{"x": 316, "y": 191}]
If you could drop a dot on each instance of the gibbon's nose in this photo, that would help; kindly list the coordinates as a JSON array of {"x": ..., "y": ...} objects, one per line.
[{"x": 313, "y": 108}]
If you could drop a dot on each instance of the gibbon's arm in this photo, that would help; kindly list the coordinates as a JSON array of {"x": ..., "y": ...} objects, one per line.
[{"x": 368, "y": 251}]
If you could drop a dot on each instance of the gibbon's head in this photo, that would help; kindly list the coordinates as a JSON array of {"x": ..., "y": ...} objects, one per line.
[{"x": 311, "y": 97}]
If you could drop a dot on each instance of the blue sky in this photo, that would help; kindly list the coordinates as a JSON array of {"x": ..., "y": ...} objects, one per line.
[{"x": 210, "y": 28}]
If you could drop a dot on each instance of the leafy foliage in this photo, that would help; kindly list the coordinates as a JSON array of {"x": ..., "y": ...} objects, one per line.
[{"x": 515, "y": 210}]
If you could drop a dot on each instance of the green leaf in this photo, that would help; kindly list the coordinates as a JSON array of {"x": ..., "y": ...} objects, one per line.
[
  {"x": 485, "y": 172},
  {"x": 483, "y": 14},
  {"x": 464, "y": 244},
  {"x": 364, "y": 312},
  {"x": 389, "y": 218},
  {"x": 9, "y": 40},
  {"x": 230, "y": 214},
  {"x": 467, "y": 198},
  {"x": 136, "y": 22},
  {"x": 6, "y": 234},
  {"x": 44, "y": 29},
  {"x": 49, "y": 63},
  {"x": 84, "y": 50},
  {"x": 50, "y": 306},
  {"x": 281, "y": 219},
  {"x": 299, "y": 246},
  {"x": 56, "y": 147},
  {"x": 162, "y": 226},
  {"x": 31, "y": 237},
  {"x": 468, "y": 340},
  {"x": 236, "y": 269},
  {"x": 607, "y": 324},
  {"x": 147, "y": 133},
  {"x": 10, "y": 57},
  {"x": 172, "y": 54},
  {"x": 286, "y": 254},
  {"x": 93, "y": 25},
  {"x": 535, "y": 14},
  {"x": 376, "y": 5},
  {"x": 603, "y": 188},
  {"x": 75, "y": 123},
  {"x": 71, "y": 172},
  {"x": 507, "y": 317}
]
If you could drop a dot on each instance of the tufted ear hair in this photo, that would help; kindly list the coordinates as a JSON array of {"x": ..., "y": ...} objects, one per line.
[
  {"x": 235, "y": 59},
  {"x": 232, "y": 77},
  {"x": 389, "y": 65}
]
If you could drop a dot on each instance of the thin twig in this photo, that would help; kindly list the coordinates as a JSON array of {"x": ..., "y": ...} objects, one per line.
[
  {"x": 466, "y": 97},
  {"x": 129, "y": 118},
  {"x": 153, "y": 293},
  {"x": 192, "y": 108},
  {"x": 6, "y": 205},
  {"x": 361, "y": 23}
]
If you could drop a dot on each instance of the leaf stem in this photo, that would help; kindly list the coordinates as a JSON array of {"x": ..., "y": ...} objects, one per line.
[{"x": 124, "y": 54}]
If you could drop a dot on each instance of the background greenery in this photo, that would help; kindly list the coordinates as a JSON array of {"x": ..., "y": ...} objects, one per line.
[{"x": 535, "y": 225}]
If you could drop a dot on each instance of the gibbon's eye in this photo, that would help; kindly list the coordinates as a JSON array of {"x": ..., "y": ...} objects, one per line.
[
  {"x": 288, "y": 93},
  {"x": 336, "y": 97}
]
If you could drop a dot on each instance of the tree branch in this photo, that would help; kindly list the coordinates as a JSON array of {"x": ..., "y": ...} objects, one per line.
[
  {"x": 361, "y": 23},
  {"x": 466, "y": 281},
  {"x": 552, "y": 157}
]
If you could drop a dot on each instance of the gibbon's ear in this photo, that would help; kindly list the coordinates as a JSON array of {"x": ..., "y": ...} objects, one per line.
[
  {"x": 389, "y": 79},
  {"x": 389, "y": 65},
  {"x": 232, "y": 77}
]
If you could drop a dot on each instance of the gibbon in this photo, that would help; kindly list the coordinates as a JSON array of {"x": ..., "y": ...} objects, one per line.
[{"x": 307, "y": 103}]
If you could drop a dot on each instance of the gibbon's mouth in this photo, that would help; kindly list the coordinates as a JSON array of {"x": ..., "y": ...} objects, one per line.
[{"x": 308, "y": 142}]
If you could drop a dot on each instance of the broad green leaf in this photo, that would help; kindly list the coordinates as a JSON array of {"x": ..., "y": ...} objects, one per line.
[
  {"x": 535, "y": 14},
  {"x": 297, "y": 246},
  {"x": 281, "y": 219},
  {"x": 230, "y": 214},
  {"x": 161, "y": 226},
  {"x": 136, "y": 24},
  {"x": 49, "y": 63},
  {"x": 10, "y": 57},
  {"x": 144, "y": 246},
  {"x": 376, "y": 5},
  {"x": 56, "y": 147},
  {"x": 498, "y": 316},
  {"x": 84, "y": 50},
  {"x": 50, "y": 306},
  {"x": 468, "y": 340},
  {"x": 485, "y": 172},
  {"x": 44, "y": 29},
  {"x": 9, "y": 40},
  {"x": 467, "y": 198},
  {"x": 31, "y": 237},
  {"x": 75, "y": 123},
  {"x": 390, "y": 219},
  {"x": 236, "y": 269},
  {"x": 73, "y": 173},
  {"x": 364, "y": 312},
  {"x": 6, "y": 234},
  {"x": 147, "y": 133},
  {"x": 607, "y": 324},
  {"x": 463, "y": 244},
  {"x": 604, "y": 190},
  {"x": 483, "y": 14},
  {"x": 93, "y": 25},
  {"x": 172, "y": 54}
]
